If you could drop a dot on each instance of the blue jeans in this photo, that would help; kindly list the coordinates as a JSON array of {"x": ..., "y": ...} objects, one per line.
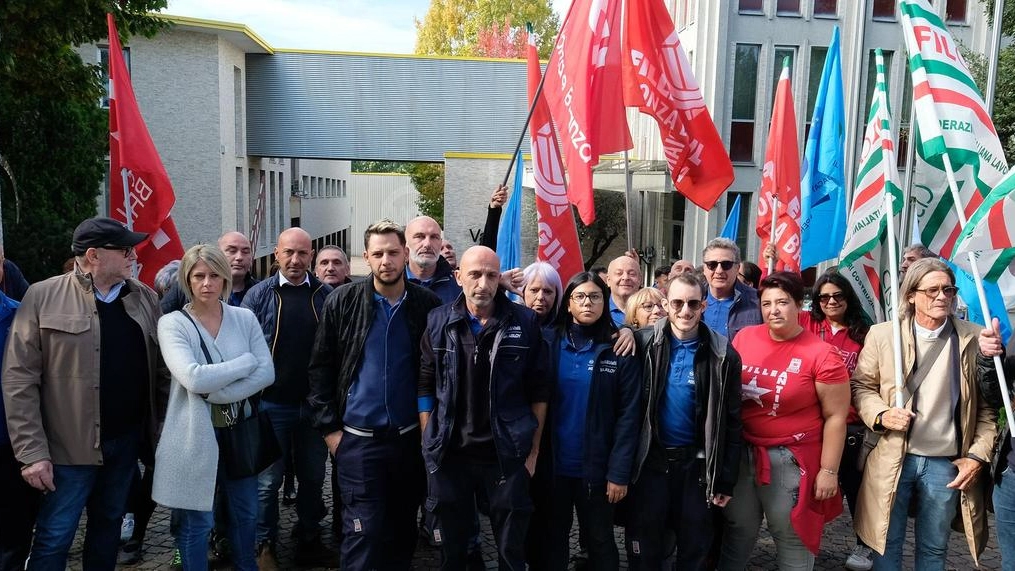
[
  {"x": 294, "y": 433},
  {"x": 922, "y": 481},
  {"x": 1004, "y": 517},
  {"x": 192, "y": 528},
  {"x": 104, "y": 490}
]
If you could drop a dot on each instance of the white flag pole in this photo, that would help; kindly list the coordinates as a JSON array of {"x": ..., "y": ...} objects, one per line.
[
  {"x": 771, "y": 232},
  {"x": 893, "y": 273},
  {"x": 127, "y": 215},
  {"x": 980, "y": 293}
]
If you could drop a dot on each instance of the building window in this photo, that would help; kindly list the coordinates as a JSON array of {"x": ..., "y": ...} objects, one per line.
[
  {"x": 745, "y": 94},
  {"x": 787, "y": 7},
  {"x": 781, "y": 53},
  {"x": 751, "y": 7},
  {"x": 104, "y": 72},
  {"x": 239, "y": 142},
  {"x": 685, "y": 13},
  {"x": 826, "y": 8},
  {"x": 955, "y": 11},
  {"x": 818, "y": 54},
  {"x": 884, "y": 10}
]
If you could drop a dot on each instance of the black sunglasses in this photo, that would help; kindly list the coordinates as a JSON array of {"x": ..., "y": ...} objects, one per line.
[
  {"x": 727, "y": 265},
  {"x": 837, "y": 296}
]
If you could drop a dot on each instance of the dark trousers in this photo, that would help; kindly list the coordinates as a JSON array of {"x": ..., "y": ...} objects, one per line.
[
  {"x": 674, "y": 500},
  {"x": 452, "y": 491},
  {"x": 140, "y": 502},
  {"x": 19, "y": 503},
  {"x": 381, "y": 482},
  {"x": 595, "y": 524}
]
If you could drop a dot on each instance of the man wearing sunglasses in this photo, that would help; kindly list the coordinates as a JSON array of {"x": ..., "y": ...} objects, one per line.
[
  {"x": 689, "y": 454},
  {"x": 731, "y": 304}
]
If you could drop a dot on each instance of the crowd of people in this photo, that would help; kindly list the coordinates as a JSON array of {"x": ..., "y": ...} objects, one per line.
[{"x": 688, "y": 411}]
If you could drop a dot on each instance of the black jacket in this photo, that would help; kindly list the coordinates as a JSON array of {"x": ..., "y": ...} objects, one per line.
[
  {"x": 612, "y": 420},
  {"x": 443, "y": 282},
  {"x": 717, "y": 370},
  {"x": 175, "y": 299},
  {"x": 991, "y": 391},
  {"x": 341, "y": 335}
]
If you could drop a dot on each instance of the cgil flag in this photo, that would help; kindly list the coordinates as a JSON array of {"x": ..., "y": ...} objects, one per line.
[
  {"x": 732, "y": 226},
  {"x": 823, "y": 180},
  {"x": 864, "y": 255},
  {"x": 581, "y": 91},
  {"x": 659, "y": 81},
  {"x": 558, "y": 236},
  {"x": 952, "y": 120},
  {"x": 780, "y": 182},
  {"x": 509, "y": 235},
  {"x": 134, "y": 159}
]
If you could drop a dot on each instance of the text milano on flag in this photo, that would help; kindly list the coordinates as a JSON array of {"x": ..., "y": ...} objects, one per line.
[
  {"x": 781, "y": 180},
  {"x": 558, "y": 236},
  {"x": 659, "y": 81},
  {"x": 863, "y": 257},
  {"x": 823, "y": 181},
  {"x": 131, "y": 148},
  {"x": 952, "y": 119},
  {"x": 581, "y": 90}
]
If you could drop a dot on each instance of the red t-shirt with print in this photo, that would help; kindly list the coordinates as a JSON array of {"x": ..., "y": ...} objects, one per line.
[{"x": 778, "y": 381}]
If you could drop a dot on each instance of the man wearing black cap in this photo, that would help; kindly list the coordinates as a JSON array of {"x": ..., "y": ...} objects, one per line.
[{"x": 81, "y": 380}]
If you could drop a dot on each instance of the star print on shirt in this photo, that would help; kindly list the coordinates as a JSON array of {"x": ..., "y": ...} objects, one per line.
[{"x": 751, "y": 391}]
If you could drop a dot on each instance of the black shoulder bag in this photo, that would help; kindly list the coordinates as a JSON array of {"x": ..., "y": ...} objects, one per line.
[{"x": 247, "y": 443}]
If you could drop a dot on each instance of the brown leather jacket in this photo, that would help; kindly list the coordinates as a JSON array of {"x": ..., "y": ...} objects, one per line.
[{"x": 51, "y": 371}]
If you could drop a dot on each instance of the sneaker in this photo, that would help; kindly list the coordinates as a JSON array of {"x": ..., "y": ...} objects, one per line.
[
  {"x": 314, "y": 553},
  {"x": 126, "y": 527},
  {"x": 860, "y": 559},
  {"x": 130, "y": 553},
  {"x": 266, "y": 559},
  {"x": 177, "y": 563}
]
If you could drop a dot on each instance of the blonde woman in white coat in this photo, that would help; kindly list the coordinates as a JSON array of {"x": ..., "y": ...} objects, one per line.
[{"x": 202, "y": 396}]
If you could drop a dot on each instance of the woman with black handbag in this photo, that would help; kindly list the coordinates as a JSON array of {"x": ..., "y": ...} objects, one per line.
[{"x": 219, "y": 361}]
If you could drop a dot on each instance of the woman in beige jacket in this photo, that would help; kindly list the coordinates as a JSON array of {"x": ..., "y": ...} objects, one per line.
[{"x": 932, "y": 450}]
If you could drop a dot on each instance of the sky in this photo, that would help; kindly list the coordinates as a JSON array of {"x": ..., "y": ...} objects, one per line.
[{"x": 376, "y": 26}]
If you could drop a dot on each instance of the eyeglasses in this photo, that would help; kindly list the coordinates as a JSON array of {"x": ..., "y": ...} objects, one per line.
[
  {"x": 678, "y": 304},
  {"x": 727, "y": 265},
  {"x": 933, "y": 292},
  {"x": 581, "y": 297},
  {"x": 838, "y": 296},
  {"x": 649, "y": 306},
  {"x": 127, "y": 251}
]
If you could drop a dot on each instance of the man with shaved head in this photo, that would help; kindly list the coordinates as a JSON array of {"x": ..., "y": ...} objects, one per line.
[
  {"x": 624, "y": 278},
  {"x": 483, "y": 389},
  {"x": 427, "y": 267},
  {"x": 288, "y": 305},
  {"x": 240, "y": 254}
]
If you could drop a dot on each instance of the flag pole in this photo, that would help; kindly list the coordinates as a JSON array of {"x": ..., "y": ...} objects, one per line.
[
  {"x": 127, "y": 216},
  {"x": 995, "y": 49},
  {"x": 771, "y": 232},
  {"x": 978, "y": 280},
  {"x": 525, "y": 127},
  {"x": 893, "y": 296}
]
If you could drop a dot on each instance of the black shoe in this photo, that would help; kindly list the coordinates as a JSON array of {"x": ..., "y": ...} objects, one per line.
[
  {"x": 474, "y": 562},
  {"x": 219, "y": 552},
  {"x": 315, "y": 554},
  {"x": 130, "y": 553}
]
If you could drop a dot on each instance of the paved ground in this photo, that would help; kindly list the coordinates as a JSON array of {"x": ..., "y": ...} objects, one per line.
[{"x": 835, "y": 547}]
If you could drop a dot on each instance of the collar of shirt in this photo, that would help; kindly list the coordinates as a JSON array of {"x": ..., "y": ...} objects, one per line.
[
  {"x": 929, "y": 333},
  {"x": 411, "y": 276},
  {"x": 111, "y": 295},
  {"x": 689, "y": 344},
  {"x": 284, "y": 282},
  {"x": 387, "y": 306}
]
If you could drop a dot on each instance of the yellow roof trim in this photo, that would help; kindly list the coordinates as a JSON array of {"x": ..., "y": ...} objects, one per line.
[
  {"x": 487, "y": 156},
  {"x": 219, "y": 25}
]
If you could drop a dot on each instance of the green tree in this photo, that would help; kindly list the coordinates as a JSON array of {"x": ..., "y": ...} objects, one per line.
[
  {"x": 610, "y": 224},
  {"x": 428, "y": 178},
  {"x": 53, "y": 133},
  {"x": 454, "y": 27},
  {"x": 1003, "y": 113}
]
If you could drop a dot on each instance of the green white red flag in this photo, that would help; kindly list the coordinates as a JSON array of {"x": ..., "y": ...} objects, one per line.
[
  {"x": 864, "y": 254},
  {"x": 781, "y": 181},
  {"x": 558, "y": 236},
  {"x": 952, "y": 119},
  {"x": 659, "y": 81}
]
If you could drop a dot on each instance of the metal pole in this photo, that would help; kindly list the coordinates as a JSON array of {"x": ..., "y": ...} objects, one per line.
[
  {"x": 771, "y": 232},
  {"x": 854, "y": 118},
  {"x": 995, "y": 48},
  {"x": 627, "y": 201},
  {"x": 525, "y": 127}
]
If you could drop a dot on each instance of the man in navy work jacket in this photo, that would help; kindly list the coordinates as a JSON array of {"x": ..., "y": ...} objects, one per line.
[
  {"x": 363, "y": 381},
  {"x": 483, "y": 390}
]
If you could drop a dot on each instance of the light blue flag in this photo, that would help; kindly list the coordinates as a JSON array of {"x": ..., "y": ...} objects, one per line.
[
  {"x": 995, "y": 303},
  {"x": 509, "y": 235},
  {"x": 823, "y": 177},
  {"x": 732, "y": 226}
]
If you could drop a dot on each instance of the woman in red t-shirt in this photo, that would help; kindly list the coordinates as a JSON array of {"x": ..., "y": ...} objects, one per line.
[
  {"x": 837, "y": 319},
  {"x": 795, "y": 398}
]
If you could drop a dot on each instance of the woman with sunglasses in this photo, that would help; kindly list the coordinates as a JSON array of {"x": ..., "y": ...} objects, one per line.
[
  {"x": 836, "y": 318},
  {"x": 795, "y": 400},
  {"x": 593, "y": 426},
  {"x": 645, "y": 307}
]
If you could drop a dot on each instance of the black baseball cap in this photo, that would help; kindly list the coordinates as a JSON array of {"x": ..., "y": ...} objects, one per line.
[{"x": 102, "y": 232}]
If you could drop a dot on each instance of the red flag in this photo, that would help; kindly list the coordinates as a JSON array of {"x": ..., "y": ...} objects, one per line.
[
  {"x": 581, "y": 90},
  {"x": 558, "y": 237},
  {"x": 658, "y": 80},
  {"x": 131, "y": 149},
  {"x": 781, "y": 180}
]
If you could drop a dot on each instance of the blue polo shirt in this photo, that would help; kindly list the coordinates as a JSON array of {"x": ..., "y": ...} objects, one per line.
[
  {"x": 616, "y": 313},
  {"x": 574, "y": 378},
  {"x": 384, "y": 386},
  {"x": 676, "y": 407},
  {"x": 717, "y": 313}
]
